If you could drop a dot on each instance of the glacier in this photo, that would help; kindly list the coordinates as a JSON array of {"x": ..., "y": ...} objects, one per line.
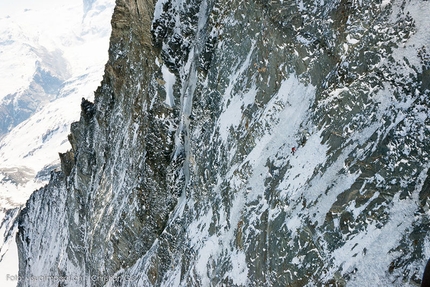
[{"x": 181, "y": 171}]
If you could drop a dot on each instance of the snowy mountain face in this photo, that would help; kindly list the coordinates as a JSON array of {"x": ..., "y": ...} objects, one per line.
[
  {"x": 50, "y": 57},
  {"x": 52, "y": 53},
  {"x": 245, "y": 143}
]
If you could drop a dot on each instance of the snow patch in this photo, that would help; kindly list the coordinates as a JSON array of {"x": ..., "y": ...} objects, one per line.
[
  {"x": 231, "y": 115},
  {"x": 169, "y": 80}
]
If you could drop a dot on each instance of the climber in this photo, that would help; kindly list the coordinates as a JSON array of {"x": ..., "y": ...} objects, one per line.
[{"x": 293, "y": 150}]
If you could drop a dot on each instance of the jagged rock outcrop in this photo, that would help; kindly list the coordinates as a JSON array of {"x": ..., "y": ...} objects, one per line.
[{"x": 181, "y": 171}]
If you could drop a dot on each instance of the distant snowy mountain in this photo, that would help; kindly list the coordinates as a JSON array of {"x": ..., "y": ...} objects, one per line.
[
  {"x": 49, "y": 59},
  {"x": 52, "y": 54}
]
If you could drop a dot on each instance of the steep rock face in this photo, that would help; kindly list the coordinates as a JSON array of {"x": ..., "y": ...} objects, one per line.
[
  {"x": 118, "y": 153},
  {"x": 182, "y": 171}
]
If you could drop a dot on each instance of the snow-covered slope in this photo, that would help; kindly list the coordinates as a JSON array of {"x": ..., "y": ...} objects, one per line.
[
  {"x": 52, "y": 54},
  {"x": 183, "y": 173}
]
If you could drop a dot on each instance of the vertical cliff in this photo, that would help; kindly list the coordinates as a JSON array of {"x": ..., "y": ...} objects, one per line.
[
  {"x": 182, "y": 171},
  {"x": 120, "y": 154}
]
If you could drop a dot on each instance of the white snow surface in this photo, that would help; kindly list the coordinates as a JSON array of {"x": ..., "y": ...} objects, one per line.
[{"x": 169, "y": 79}]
